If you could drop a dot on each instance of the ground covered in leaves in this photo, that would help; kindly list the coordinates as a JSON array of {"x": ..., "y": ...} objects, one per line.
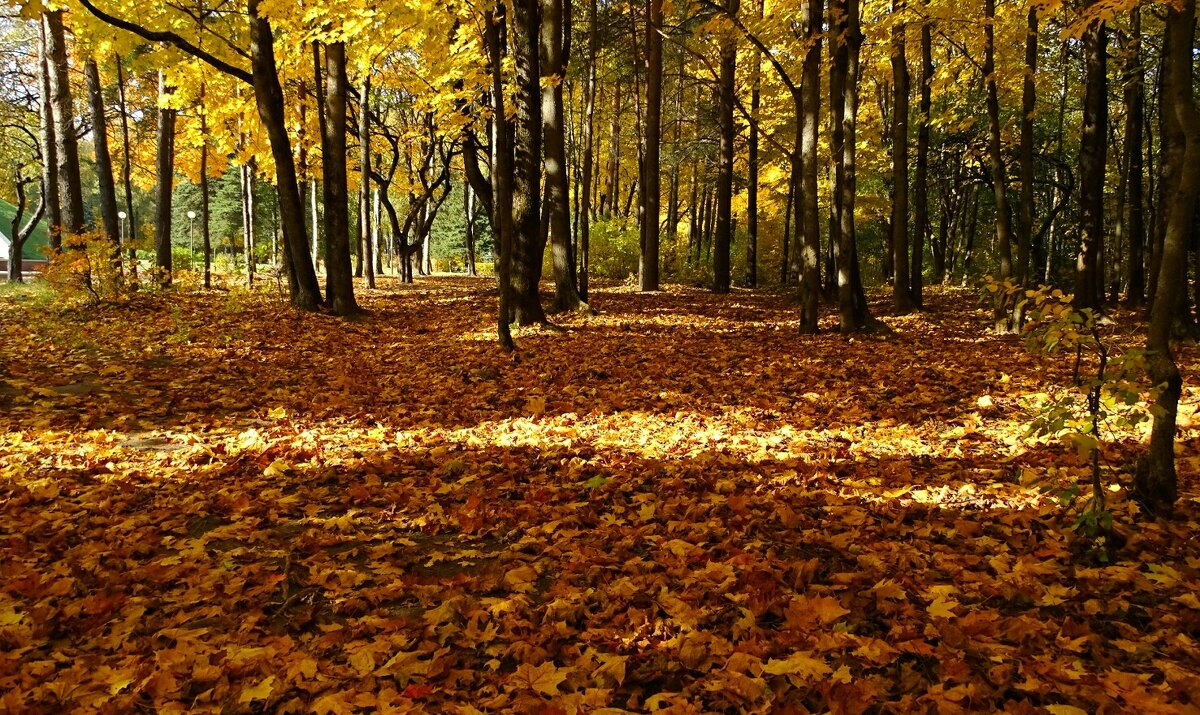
[{"x": 212, "y": 503}]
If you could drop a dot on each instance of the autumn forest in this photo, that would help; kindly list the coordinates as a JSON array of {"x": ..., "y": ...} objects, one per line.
[{"x": 582, "y": 356}]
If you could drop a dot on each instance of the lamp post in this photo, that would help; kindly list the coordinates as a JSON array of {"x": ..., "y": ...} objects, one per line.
[
  {"x": 122, "y": 215},
  {"x": 191, "y": 224}
]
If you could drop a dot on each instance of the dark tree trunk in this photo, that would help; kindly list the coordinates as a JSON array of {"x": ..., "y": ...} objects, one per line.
[
  {"x": 995, "y": 157},
  {"x": 1028, "y": 105},
  {"x": 364, "y": 158},
  {"x": 527, "y": 153},
  {"x": 844, "y": 98},
  {"x": 164, "y": 185},
  {"x": 1135, "y": 110},
  {"x": 648, "y": 262},
  {"x": 1093, "y": 147},
  {"x": 1156, "y": 482},
  {"x": 589, "y": 108},
  {"x": 751, "y": 279},
  {"x": 104, "y": 171},
  {"x": 302, "y": 279},
  {"x": 916, "y": 276},
  {"x": 66, "y": 146},
  {"x": 501, "y": 176},
  {"x": 339, "y": 278},
  {"x": 807, "y": 246},
  {"x": 901, "y": 297},
  {"x": 723, "y": 236},
  {"x": 204, "y": 215},
  {"x": 556, "y": 46},
  {"x": 19, "y": 234},
  {"x": 48, "y": 144},
  {"x": 127, "y": 174}
]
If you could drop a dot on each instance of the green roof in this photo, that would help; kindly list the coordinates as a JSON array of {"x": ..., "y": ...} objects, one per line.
[{"x": 38, "y": 241}]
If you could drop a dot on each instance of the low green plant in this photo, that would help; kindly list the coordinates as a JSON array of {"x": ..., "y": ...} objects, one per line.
[{"x": 1106, "y": 394}]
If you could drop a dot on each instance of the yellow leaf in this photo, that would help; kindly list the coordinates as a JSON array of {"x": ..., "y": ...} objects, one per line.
[
  {"x": 262, "y": 691},
  {"x": 363, "y": 662},
  {"x": 942, "y": 608},
  {"x": 542, "y": 679},
  {"x": 1065, "y": 710},
  {"x": 521, "y": 578},
  {"x": 800, "y": 664}
]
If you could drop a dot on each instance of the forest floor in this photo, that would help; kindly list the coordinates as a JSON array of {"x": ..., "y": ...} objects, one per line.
[{"x": 210, "y": 502}]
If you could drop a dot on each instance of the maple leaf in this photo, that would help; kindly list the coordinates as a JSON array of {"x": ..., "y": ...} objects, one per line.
[
  {"x": 543, "y": 679},
  {"x": 802, "y": 665},
  {"x": 260, "y": 691},
  {"x": 334, "y": 704}
]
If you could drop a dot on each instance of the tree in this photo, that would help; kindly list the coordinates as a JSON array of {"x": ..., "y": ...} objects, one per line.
[
  {"x": 996, "y": 166},
  {"x": 1093, "y": 148},
  {"x": 648, "y": 260},
  {"x": 901, "y": 295},
  {"x": 165, "y": 182},
  {"x": 723, "y": 235},
  {"x": 339, "y": 276},
  {"x": 66, "y": 146},
  {"x": 527, "y": 152},
  {"x": 916, "y": 275},
  {"x": 1156, "y": 482},
  {"x": 104, "y": 171}
]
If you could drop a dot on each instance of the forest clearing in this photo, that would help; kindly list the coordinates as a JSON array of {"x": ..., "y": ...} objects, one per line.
[
  {"x": 594, "y": 356},
  {"x": 678, "y": 503}
]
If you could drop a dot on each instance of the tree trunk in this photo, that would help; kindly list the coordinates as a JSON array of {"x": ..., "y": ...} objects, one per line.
[
  {"x": 501, "y": 176},
  {"x": 648, "y": 263},
  {"x": 47, "y": 141},
  {"x": 19, "y": 234},
  {"x": 1135, "y": 110},
  {"x": 901, "y": 297},
  {"x": 339, "y": 276},
  {"x": 916, "y": 275},
  {"x": 589, "y": 121},
  {"x": 723, "y": 236},
  {"x": 66, "y": 146},
  {"x": 1028, "y": 106},
  {"x": 104, "y": 170},
  {"x": 555, "y": 44},
  {"x": 807, "y": 246},
  {"x": 1156, "y": 480},
  {"x": 302, "y": 278},
  {"x": 995, "y": 157},
  {"x": 364, "y": 193},
  {"x": 164, "y": 184},
  {"x": 751, "y": 279},
  {"x": 1093, "y": 147},
  {"x": 205, "y": 234},
  {"x": 527, "y": 151},
  {"x": 844, "y": 98}
]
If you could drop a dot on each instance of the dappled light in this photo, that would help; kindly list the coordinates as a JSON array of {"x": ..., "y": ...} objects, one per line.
[{"x": 205, "y": 497}]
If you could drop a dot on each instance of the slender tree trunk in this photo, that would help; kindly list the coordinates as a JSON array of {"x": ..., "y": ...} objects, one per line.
[
  {"x": 364, "y": 193},
  {"x": 104, "y": 171},
  {"x": 48, "y": 143},
  {"x": 751, "y": 279},
  {"x": 66, "y": 149},
  {"x": 1028, "y": 106},
  {"x": 1135, "y": 110},
  {"x": 916, "y": 275},
  {"x": 501, "y": 175},
  {"x": 126, "y": 173},
  {"x": 19, "y": 233},
  {"x": 901, "y": 297},
  {"x": 555, "y": 43},
  {"x": 527, "y": 152},
  {"x": 205, "y": 233},
  {"x": 723, "y": 236},
  {"x": 844, "y": 91},
  {"x": 164, "y": 183},
  {"x": 807, "y": 213},
  {"x": 1093, "y": 147},
  {"x": 302, "y": 278},
  {"x": 995, "y": 157},
  {"x": 339, "y": 276},
  {"x": 648, "y": 263},
  {"x": 589, "y": 121},
  {"x": 1156, "y": 481}
]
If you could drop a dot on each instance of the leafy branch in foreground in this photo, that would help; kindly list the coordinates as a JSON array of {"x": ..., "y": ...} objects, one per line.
[{"x": 1106, "y": 395}]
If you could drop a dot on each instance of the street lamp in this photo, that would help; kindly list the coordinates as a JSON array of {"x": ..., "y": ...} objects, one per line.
[
  {"x": 191, "y": 218},
  {"x": 122, "y": 215}
]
